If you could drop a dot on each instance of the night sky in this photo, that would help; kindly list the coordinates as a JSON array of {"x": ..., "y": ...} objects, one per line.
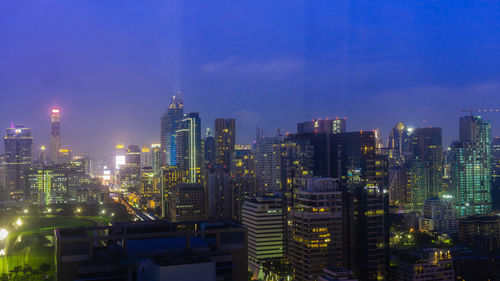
[{"x": 112, "y": 66}]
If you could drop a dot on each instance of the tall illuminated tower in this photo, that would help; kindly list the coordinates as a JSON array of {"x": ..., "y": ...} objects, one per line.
[
  {"x": 188, "y": 143},
  {"x": 55, "y": 134},
  {"x": 17, "y": 148},
  {"x": 170, "y": 122},
  {"x": 224, "y": 141},
  {"x": 471, "y": 167}
]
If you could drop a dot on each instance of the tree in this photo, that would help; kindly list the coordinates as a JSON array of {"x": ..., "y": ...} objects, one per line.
[
  {"x": 27, "y": 270},
  {"x": 15, "y": 271},
  {"x": 44, "y": 268}
]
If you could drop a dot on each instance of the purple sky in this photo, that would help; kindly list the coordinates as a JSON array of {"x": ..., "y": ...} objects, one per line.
[{"x": 112, "y": 66}]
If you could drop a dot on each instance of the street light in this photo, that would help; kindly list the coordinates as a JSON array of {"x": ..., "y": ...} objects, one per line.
[
  {"x": 19, "y": 222},
  {"x": 3, "y": 234}
]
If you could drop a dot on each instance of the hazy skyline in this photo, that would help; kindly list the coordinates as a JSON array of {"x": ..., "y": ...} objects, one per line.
[{"x": 112, "y": 67}]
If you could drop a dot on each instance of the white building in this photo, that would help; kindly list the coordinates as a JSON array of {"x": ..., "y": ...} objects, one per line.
[{"x": 263, "y": 217}]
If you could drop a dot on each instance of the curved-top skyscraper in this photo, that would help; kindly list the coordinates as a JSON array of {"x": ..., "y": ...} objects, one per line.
[
  {"x": 170, "y": 122},
  {"x": 55, "y": 134}
]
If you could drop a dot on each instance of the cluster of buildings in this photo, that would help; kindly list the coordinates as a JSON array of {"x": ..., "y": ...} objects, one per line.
[
  {"x": 53, "y": 176},
  {"x": 317, "y": 204}
]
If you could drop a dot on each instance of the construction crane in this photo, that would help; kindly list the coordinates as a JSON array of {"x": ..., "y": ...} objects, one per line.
[{"x": 481, "y": 110}]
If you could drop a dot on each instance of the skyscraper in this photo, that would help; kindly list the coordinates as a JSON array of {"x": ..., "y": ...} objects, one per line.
[
  {"x": 268, "y": 165},
  {"x": 186, "y": 202},
  {"x": 316, "y": 230},
  {"x": 263, "y": 217},
  {"x": 220, "y": 196},
  {"x": 471, "y": 167},
  {"x": 209, "y": 147},
  {"x": 398, "y": 144},
  {"x": 189, "y": 146},
  {"x": 330, "y": 126},
  {"x": 156, "y": 158},
  {"x": 495, "y": 188},
  {"x": 225, "y": 133},
  {"x": 17, "y": 148},
  {"x": 55, "y": 135},
  {"x": 170, "y": 122},
  {"x": 426, "y": 145}
]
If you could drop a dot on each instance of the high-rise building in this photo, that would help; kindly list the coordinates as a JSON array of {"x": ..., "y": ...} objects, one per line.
[
  {"x": 55, "y": 134},
  {"x": 156, "y": 158},
  {"x": 407, "y": 186},
  {"x": 495, "y": 188},
  {"x": 471, "y": 167},
  {"x": 130, "y": 172},
  {"x": 426, "y": 145},
  {"x": 264, "y": 220},
  {"x": 17, "y": 159},
  {"x": 357, "y": 160},
  {"x": 170, "y": 177},
  {"x": 268, "y": 168},
  {"x": 316, "y": 232},
  {"x": 225, "y": 137},
  {"x": 438, "y": 216},
  {"x": 329, "y": 126},
  {"x": 43, "y": 157},
  {"x": 398, "y": 144},
  {"x": 209, "y": 147},
  {"x": 170, "y": 122},
  {"x": 146, "y": 157},
  {"x": 186, "y": 203},
  {"x": 220, "y": 195},
  {"x": 367, "y": 233},
  {"x": 242, "y": 177},
  {"x": 189, "y": 146}
]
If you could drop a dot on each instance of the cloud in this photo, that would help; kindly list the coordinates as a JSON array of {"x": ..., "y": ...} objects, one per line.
[
  {"x": 247, "y": 116},
  {"x": 273, "y": 66}
]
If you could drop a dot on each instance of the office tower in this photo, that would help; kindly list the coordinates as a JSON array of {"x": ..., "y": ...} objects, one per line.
[
  {"x": 398, "y": 144},
  {"x": 146, "y": 157},
  {"x": 367, "y": 233},
  {"x": 407, "y": 186},
  {"x": 55, "y": 135},
  {"x": 65, "y": 155},
  {"x": 495, "y": 188},
  {"x": 480, "y": 232},
  {"x": 471, "y": 167},
  {"x": 189, "y": 146},
  {"x": 438, "y": 216},
  {"x": 268, "y": 167},
  {"x": 242, "y": 178},
  {"x": 156, "y": 158},
  {"x": 426, "y": 264},
  {"x": 55, "y": 184},
  {"x": 224, "y": 141},
  {"x": 357, "y": 161},
  {"x": 263, "y": 217},
  {"x": 329, "y": 126},
  {"x": 17, "y": 159},
  {"x": 209, "y": 147},
  {"x": 186, "y": 203},
  {"x": 427, "y": 146},
  {"x": 316, "y": 230},
  {"x": 43, "y": 157},
  {"x": 130, "y": 172},
  {"x": 170, "y": 177},
  {"x": 220, "y": 197},
  {"x": 150, "y": 185},
  {"x": 170, "y": 122},
  {"x": 133, "y": 156}
]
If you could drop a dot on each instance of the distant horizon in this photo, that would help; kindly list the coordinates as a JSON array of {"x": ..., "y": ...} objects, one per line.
[{"x": 112, "y": 67}]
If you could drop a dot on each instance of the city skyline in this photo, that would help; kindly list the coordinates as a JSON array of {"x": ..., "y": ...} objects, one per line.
[{"x": 115, "y": 82}]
